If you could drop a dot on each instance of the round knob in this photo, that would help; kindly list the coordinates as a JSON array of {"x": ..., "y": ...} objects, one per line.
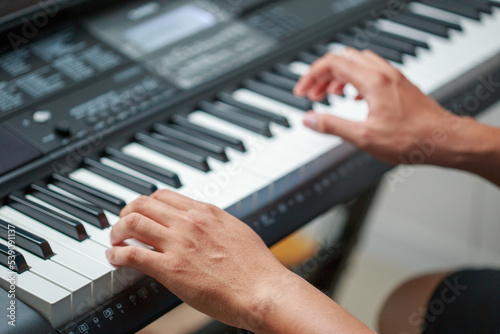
[{"x": 63, "y": 129}]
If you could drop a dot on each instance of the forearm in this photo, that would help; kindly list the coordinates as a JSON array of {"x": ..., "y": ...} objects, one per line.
[
  {"x": 471, "y": 146},
  {"x": 296, "y": 307}
]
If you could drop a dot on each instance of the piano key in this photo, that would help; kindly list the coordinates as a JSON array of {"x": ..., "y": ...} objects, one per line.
[
  {"x": 292, "y": 155},
  {"x": 283, "y": 70},
  {"x": 229, "y": 141},
  {"x": 51, "y": 301},
  {"x": 173, "y": 152},
  {"x": 392, "y": 43},
  {"x": 425, "y": 10},
  {"x": 412, "y": 41},
  {"x": 387, "y": 53},
  {"x": 127, "y": 181},
  {"x": 453, "y": 8},
  {"x": 99, "y": 198},
  {"x": 278, "y": 94},
  {"x": 197, "y": 185},
  {"x": 225, "y": 113},
  {"x": 480, "y": 5},
  {"x": 105, "y": 185},
  {"x": 277, "y": 80},
  {"x": 307, "y": 57},
  {"x": 63, "y": 224},
  {"x": 26, "y": 240},
  {"x": 121, "y": 277},
  {"x": 96, "y": 234},
  {"x": 140, "y": 166},
  {"x": 201, "y": 153},
  {"x": 82, "y": 210},
  {"x": 494, "y": 3},
  {"x": 423, "y": 25},
  {"x": 216, "y": 151},
  {"x": 434, "y": 20},
  {"x": 79, "y": 286},
  {"x": 100, "y": 275},
  {"x": 321, "y": 49},
  {"x": 12, "y": 259},
  {"x": 251, "y": 110}
]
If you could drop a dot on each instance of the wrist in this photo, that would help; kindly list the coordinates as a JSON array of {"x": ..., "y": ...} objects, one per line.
[{"x": 261, "y": 311}]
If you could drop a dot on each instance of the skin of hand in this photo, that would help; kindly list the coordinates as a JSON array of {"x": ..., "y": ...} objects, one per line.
[
  {"x": 404, "y": 126},
  {"x": 221, "y": 267}
]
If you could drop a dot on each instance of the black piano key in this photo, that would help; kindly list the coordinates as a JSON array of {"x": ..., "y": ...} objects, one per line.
[
  {"x": 480, "y": 5},
  {"x": 165, "y": 148},
  {"x": 27, "y": 240},
  {"x": 94, "y": 196},
  {"x": 216, "y": 151},
  {"x": 66, "y": 225},
  {"x": 461, "y": 10},
  {"x": 382, "y": 51},
  {"x": 232, "y": 142},
  {"x": 201, "y": 153},
  {"x": 251, "y": 110},
  {"x": 143, "y": 167},
  {"x": 223, "y": 112},
  {"x": 321, "y": 49},
  {"x": 412, "y": 41},
  {"x": 423, "y": 25},
  {"x": 283, "y": 70},
  {"x": 307, "y": 57},
  {"x": 128, "y": 181},
  {"x": 395, "y": 44},
  {"x": 84, "y": 211},
  {"x": 495, "y": 3},
  {"x": 451, "y": 25},
  {"x": 278, "y": 94},
  {"x": 277, "y": 80},
  {"x": 12, "y": 259}
]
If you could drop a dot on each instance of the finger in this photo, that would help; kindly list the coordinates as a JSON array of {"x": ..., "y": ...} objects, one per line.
[
  {"x": 174, "y": 199},
  {"x": 375, "y": 59},
  {"x": 144, "y": 260},
  {"x": 336, "y": 88},
  {"x": 318, "y": 91},
  {"x": 334, "y": 125},
  {"x": 153, "y": 209},
  {"x": 140, "y": 228},
  {"x": 341, "y": 69}
]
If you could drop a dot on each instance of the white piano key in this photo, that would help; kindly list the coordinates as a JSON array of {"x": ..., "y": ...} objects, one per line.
[
  {"x": 99, "y": 274},
  {"x": 198, "y": 184},
  {"x": 80, "y": 287},
  {"x": 435, "y": 13},
  {"x": 107, "y": 186},
  {"x": 50, "y": 300},
  {"x": 121, "y": 277},
  {"x": 96, "y": 234}
]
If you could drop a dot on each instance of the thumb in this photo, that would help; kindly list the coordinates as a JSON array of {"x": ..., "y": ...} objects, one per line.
[{"x": 333, "y": 125}]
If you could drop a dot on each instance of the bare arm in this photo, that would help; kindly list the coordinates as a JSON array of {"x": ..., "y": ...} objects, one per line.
[
  {"x": 221, "y": 267},
  {"x": 404, "y": 125}
]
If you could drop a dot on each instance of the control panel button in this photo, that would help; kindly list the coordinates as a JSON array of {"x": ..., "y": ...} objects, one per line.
[
  {"x": 63, "y": 129},
  {"x": 42, "y": 116}
]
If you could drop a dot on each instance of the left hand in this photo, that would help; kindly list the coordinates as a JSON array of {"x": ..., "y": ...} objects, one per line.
[{"x": 205, "y": 256}]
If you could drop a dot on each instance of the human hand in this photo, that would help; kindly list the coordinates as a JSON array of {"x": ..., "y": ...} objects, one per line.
[
  {"x": 401, "y": 121},
  {"x": 206, "y": 257}
]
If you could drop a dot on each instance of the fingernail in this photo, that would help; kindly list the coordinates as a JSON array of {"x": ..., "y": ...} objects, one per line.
[
  {"x": 107, "y": 251},
  {"x": 311, "y": 120}
]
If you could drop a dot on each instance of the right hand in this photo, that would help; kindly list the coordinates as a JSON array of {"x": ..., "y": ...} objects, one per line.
[{"x": 401, "y": 121}]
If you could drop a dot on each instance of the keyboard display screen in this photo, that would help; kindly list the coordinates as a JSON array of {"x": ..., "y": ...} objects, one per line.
[{"x": 170, "y": 27}]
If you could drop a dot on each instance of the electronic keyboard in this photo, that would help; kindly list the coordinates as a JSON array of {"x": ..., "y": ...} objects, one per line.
[{"x": 194, "y": 96}]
